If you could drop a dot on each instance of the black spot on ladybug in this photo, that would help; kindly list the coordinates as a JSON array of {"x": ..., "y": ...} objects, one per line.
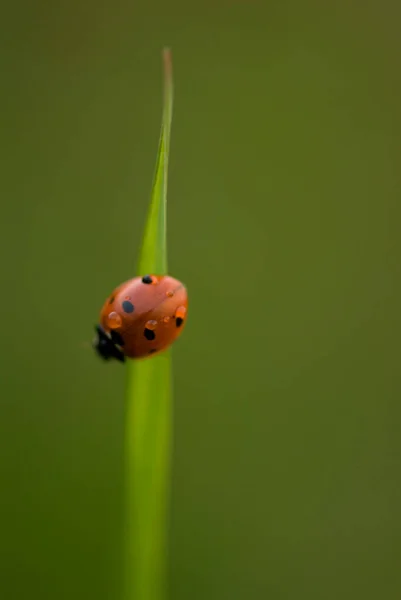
[
  {"x": 152, "y": 351},
  {"x": 147, "y": 279},
  {"x": 179, "y": 321},
  {"x": 116, "y": 338},
  {"x": 111, "y": 300},
  {"x": 128, "y": 307},
  {"x": 149, "y": 334}
]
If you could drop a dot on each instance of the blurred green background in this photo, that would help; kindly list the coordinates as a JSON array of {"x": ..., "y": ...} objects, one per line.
[{"x": 284, "y": 222}]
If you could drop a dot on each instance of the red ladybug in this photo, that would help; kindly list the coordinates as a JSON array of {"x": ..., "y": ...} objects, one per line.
[{"x": 142, "y": 317}]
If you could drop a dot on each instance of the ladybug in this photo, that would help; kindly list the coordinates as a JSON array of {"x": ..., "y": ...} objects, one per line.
[{"x": 142, "y": 317}]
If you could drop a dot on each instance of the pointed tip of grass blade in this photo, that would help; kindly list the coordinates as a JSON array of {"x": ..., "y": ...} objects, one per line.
[
  {"x": 168, "y": 63},
  {"x": 168, "y": 90},
  {"x": 168, "y": 74},
  {"x": 153, "y": 256}
]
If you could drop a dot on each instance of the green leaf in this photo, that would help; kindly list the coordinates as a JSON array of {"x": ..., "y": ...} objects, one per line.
[{"x": 149, "y": 409}]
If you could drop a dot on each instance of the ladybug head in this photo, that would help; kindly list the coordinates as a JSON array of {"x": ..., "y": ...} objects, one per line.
[{"x": 105, "y": 347}]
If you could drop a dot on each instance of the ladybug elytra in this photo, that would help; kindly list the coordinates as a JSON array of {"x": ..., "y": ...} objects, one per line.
[{"x": 142, "y": 317}]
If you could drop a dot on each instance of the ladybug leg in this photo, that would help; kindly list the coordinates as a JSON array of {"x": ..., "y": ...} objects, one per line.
[{"x": 105, "y": 346}]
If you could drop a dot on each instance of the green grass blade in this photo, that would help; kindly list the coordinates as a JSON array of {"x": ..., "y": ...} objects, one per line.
[
  {"x": 153, "y": 257},
  {"x": 149, "y": 408}
]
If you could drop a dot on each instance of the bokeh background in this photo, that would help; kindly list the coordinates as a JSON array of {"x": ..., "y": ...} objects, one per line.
[{"x": 284, "y": 221}]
